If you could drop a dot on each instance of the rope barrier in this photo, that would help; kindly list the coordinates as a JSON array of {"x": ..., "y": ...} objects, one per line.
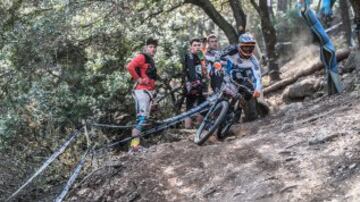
[
  {"x": 59, "y": 151},
  {"x": 72, "y": 179},
  {"x": 110, "y": 126},
  {"x": 160, "y": 126},
  {"x": 100, "y": 125},
  {"x": 163, "y": 125}
]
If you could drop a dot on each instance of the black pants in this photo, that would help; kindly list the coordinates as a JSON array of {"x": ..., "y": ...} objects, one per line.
[
  {"x": 194, "y": 100},
  {"x": 216, "y": 81}
]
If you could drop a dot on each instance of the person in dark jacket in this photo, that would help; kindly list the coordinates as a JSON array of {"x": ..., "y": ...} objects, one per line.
[{"x": 195, "y": 76}]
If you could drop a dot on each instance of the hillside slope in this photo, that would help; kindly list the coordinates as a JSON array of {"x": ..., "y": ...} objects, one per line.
[{"x": 306, "y": 151}]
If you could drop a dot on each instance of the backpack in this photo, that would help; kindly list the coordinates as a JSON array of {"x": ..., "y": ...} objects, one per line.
[{"x": 151, "y": 71}]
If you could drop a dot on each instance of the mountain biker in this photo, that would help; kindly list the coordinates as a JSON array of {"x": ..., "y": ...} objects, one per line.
[
  {"x": 143, "y": 72},
  {"x": 244, "y": 64},
  {"x": 213, "y": 62},
  {"x": 195, "y": 76}
]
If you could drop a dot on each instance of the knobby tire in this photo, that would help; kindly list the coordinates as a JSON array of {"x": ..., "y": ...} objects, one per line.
[{"x": 208, "y": 127}]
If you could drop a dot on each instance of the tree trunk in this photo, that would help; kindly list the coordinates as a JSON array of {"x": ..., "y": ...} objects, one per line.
[
  {"x": 218, "y": 19},
  {"x": 340, "y": 55},
  {"x": 356, "y": 6},
  {"x": 282, "y": 5},
  {"x": 239, "y": 15},
  {"x": 344, "y": 7},
  {"x": 270, "y": 38}
]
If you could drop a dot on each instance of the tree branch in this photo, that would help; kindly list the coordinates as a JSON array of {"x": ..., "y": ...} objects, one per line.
[
  {"x": 151, "y": 15},
  {"x": 218, "y": 19},
  {"x": 239, "y": 15},
  {"x": 257, "y": 8}
]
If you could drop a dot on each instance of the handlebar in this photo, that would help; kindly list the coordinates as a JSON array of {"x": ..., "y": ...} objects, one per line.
[
  {"x": 245, "y": 88},
  {"x": 234, "y": 89}
]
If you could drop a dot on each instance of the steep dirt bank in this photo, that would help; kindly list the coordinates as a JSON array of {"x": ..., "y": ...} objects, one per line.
[{"x": 306, "y": 151}]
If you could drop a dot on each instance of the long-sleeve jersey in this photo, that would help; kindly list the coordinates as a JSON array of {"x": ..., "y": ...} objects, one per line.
[
  {"x": 211, "y": 57},
  {"x": 193, "y": 68},
  {"x": 248, "y": 67},
  {"x": 139, "y": 68}
]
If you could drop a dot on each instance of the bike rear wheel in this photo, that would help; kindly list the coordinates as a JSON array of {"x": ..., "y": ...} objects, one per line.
[{"x": 211, "y": 122}]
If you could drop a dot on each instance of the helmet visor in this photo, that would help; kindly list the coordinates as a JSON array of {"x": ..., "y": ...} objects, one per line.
[{"x": 247, "y": 49}]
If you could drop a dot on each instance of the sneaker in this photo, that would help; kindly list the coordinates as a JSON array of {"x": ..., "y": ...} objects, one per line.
[
  {"x": 135, "y": 146},
  {"x": 135, "y": 142},
  {"x": 138, "y": 149}
]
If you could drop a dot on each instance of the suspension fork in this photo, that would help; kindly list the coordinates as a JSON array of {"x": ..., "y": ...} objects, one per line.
[
  {"x": 217, "y": 100},
  {"x": 237, "y": 109}
]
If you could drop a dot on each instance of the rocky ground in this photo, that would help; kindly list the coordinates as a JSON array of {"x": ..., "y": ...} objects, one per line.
[{"x": 302, "y": 151}]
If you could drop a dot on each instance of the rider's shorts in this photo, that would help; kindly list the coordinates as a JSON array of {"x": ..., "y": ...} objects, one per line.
[{"x": 143, "y": 100}]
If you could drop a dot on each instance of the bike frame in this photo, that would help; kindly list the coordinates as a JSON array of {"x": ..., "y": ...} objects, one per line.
[
  {"x": 209, "y": 104},
  {"x": 220, "y": 97}
]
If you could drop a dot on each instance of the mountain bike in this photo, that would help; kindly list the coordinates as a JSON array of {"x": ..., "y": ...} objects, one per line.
[{"x": 225, "y": 110}]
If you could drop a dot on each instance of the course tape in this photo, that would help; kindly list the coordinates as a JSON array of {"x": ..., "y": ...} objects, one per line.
[
  {"x": 72, "y": 179},
  {"x": 163, "y": 124},
  {"x": 59, "y": 151},
  {"x": 114, "y": 126},
  {"x": 110, "y": 126}
]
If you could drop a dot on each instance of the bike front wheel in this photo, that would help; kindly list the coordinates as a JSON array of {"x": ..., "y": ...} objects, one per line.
[
  {"x": 225, "y": 126},
  {"x": 211, "y": 122},
  {"x": 233, "y": 116}
]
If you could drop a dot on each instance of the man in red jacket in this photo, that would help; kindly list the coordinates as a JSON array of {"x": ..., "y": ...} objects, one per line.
[{"x": 143, "y": 72}]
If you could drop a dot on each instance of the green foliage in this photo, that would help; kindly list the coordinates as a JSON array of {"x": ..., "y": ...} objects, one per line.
[{"x": 64, "y": 61}]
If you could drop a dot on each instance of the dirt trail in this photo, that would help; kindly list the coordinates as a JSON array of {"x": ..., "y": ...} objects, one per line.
[{"x": 306, "y": 151}]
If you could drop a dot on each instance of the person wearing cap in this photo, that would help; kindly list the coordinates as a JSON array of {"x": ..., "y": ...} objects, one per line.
[{"x": 143, "y": 72}]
